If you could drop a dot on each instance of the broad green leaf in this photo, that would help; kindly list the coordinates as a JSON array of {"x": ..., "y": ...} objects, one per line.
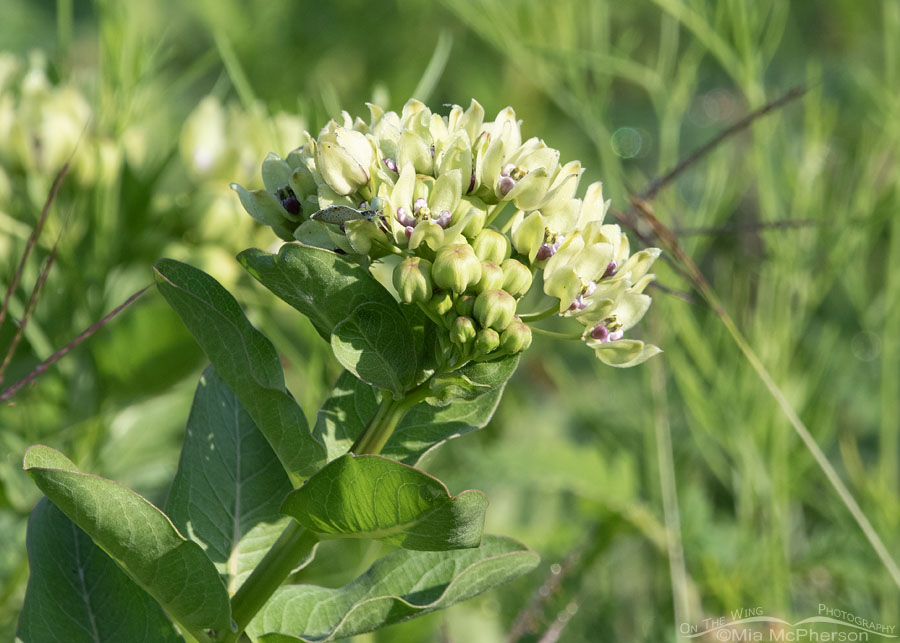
[
  {"x": 369, "y": 496},
  {"x": 492, "y": 374},
  {"x": 319, "y": 283},
  {"x": 244, "y": 359},
  {"x": 472, "y": 380},
  {"x": 375, "y": 343},
  {"x": 398, "y": 587},
  {"x": 138, "y": 536},
  {"x": 77, "y": 593},
  {"x": 229, "y": 485},
  {"x": 353, "y": 403}
]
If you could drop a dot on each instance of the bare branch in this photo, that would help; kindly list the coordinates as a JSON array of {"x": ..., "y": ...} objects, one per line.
[
  {"x": 659, "y": 183},
  {"x": 46, "y": 364},
  {"x": 32, "y": 240}
]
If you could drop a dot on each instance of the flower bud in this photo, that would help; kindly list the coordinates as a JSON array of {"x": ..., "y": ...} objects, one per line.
[
  {"x": 516, "y": 277},
  {"x": 516, "y": 337},
  {"x": 441, "y": 303},
  {"x": 486, "y": 341},
  {"x": 491, "y": 246},
  {"x": 465, "y": 305},
  {"x": 491, "y": 277},
  {"x": 495, "y": 309},
  {"x": 462, "y": 331},
  {"x": 343, "y": 157},
  {"x": 412, "y": 279},
  {"x": 456, "y": 268}
]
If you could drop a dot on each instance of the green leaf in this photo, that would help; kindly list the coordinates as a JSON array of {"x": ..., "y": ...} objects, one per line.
[
  {"x": 369, "y": 496},
  {"x": 472, "y": 380},
  {"x": 353, "y": 403},
  {"x": 398, "y": 587},
  {"x": 138, "y": 536},
  {"x": 375, "y": 343},
  {"x": 319, "y": 283},
  {"x": 245, "y": 359},
  {"x": 77, "y": 593},
  {"x": 229, "y": 485}
]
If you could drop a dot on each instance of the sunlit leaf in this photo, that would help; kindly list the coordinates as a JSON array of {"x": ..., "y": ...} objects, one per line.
[
  {"x": 400, "y": 586},
  {"x": 229, "y": 486},
  {"x": 375, "y": 343},
  {"x": 370, "y": 496},
  {"x": 77, "y": 593},
  {"x": 138, "y": 536},
  {"x": 244, "y": 359}
]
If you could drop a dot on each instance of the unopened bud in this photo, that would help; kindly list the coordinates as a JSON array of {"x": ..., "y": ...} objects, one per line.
[
  {"x": 456, "y": 268},
  {"x": 343, "y": 158},
  {"x": 516, "y": 277},
  {"x": 486, "y": 341},
  {"x": 412, "y": 279},
  {"x": 516, "y": 338},
  {"x": 491, "y": 246},
  {"x": 465, "y": 304},
  {"x": 462, "y": 331},
  {"x": 441, "y": 303},
  {"x": 495, "y": 309},
  {"x": 491, "y": 277},
  {"x": 474, "y": 223}
]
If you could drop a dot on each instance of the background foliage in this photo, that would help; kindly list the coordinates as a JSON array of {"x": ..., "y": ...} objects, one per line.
[{"x": 666, "y": 493}]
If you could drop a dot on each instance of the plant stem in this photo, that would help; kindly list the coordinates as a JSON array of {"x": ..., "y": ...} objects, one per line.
[
  {"x": 390, "y": 412},
  {"x": 292, "y": 545},
  {"x": 294, "y": 542},
  {"x": 554, "y": 334},
  {"x": 538, "y": 316}
]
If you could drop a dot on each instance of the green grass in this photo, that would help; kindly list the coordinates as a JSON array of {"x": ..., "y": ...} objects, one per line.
[{"x": 688, "y": 453}]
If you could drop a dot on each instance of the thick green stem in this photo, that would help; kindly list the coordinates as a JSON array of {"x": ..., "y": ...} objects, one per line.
[
  {"x": 292, "y": 545},
  {"x": 391, "y": 411},
  {"x": 294, "y": 542}
]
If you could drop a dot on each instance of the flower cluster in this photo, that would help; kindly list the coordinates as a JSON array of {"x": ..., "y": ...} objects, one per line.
[{"x": 426, "y": 197}]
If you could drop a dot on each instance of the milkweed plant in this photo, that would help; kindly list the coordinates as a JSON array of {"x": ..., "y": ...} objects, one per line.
[{"x": 425, "y": 249}]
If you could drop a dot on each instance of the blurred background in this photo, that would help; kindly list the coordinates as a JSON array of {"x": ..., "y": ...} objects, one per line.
[{"x": 656, "y": 496}]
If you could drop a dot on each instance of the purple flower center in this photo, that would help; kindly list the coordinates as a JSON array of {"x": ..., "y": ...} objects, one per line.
[
  {"x": 291, "y": 204},
  {"x": 601, "y": 333},
  {"x": 390, "y": 164},
  {"x": 443, "y": 219},
  {"x": 610, "y": 270},
  {"x": 547, "y": 250},
  {"x": 419, "y": 203},
  {"x": 405, "y": 218},
  {"x": 288, "y": 200},
  {"x": 505, "y": 184},
  {"x": 579, "y": 303}
]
